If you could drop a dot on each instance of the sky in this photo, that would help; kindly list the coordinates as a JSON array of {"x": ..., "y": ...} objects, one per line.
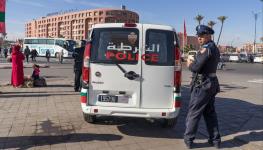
[{"x": 239, "y": 27}]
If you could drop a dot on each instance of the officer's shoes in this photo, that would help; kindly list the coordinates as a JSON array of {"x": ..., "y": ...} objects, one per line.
[
  {"x": 189, "y": 144},
  {"x": 216, "y": 144}
]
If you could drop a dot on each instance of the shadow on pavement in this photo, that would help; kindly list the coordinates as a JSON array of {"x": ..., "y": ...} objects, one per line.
[
  {"x": 52, "y": 135},
  {"x": 234, "y": 116},
  {"x": 26, "y": 142},
  {"x": 228, "y": 87}
]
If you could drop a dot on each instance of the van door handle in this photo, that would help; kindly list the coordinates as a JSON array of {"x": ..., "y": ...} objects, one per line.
[{"x": 131, "y": 75}]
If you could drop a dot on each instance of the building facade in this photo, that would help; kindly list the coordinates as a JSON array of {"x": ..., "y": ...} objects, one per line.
[
  {"x": 75, "y": 25},
  {"x": 192, "y": 41},
  {"x": 249, "y": 47}
]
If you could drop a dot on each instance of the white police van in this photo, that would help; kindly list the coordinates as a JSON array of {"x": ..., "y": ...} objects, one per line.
[{"x": 132, "y": 70}]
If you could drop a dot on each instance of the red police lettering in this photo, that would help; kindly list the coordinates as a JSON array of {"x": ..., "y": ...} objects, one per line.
[
  {"x": 120, "y": 56},
  {"x": 109, "y": 54},
  {"x": 145, "y": 57},
  {"x": 130, "y": 58},
  {"x": 154, "y": 58}
]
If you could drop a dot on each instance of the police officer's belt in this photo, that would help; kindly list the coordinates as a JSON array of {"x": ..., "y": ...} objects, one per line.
[
  {"x": 211, "y": 75},
  {"x": 201, "y": 77}
]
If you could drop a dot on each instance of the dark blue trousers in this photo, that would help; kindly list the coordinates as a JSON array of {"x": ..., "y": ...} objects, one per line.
[{"x": 202, "y": 103}]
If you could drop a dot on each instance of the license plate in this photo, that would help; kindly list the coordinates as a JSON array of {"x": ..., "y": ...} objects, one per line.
[{"x": 108, "y": 98}]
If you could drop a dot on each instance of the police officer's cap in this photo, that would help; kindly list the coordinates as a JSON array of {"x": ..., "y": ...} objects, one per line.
[{"x": 203, "y": 29}]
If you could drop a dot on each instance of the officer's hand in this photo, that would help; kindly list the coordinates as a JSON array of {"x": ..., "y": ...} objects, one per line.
[
  {"x": 189, "y": 62},
  {"x": 203, "y": 50}
]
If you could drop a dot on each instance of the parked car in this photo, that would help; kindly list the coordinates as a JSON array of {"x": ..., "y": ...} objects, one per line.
[
  {"x": 233, "y": 58},
  {"x": 221, "y": 64},
  {"x": 225, "y": 57},
  {"x": 258, "y": 58},
  {"x": 243, "y": 58}
]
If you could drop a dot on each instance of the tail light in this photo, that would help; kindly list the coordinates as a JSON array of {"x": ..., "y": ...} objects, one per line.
[
  {"x": 129, "y": 25},
  {"x": 86, "y": 64},
  {"x": 177, "y": 70},
  {"x": 177, "y": 77},
  {"x": 177, "y": 104}
]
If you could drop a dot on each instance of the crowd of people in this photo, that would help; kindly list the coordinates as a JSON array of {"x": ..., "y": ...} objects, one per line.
[
  {"x": 33, "y": 54},
  {"x": 17, "y": 56}
]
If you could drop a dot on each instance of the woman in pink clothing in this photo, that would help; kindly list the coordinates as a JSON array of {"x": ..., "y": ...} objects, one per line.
[{"x": 17, "y": 78}]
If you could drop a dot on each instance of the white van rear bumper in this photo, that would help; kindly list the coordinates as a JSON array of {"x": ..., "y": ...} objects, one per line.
[{"x": 130, "y": 112}]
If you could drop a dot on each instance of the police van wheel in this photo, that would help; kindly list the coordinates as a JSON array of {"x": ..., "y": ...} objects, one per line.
[
  {"x": 169, "y": 123},
  {"x": 89, "y": 118}
]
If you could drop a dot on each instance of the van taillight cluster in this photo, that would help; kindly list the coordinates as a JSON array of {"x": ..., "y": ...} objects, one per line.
[
  {"x": 177, "y": 77},
  {"x": 86, "y": 64},
  {"x": 177, "y": 70}
]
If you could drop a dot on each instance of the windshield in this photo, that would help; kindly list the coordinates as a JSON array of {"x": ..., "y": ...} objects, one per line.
[{"x": 115, "y": 45}]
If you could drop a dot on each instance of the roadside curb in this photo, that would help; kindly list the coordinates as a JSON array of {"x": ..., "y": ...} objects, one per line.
[{"x": 9, "y": 65}]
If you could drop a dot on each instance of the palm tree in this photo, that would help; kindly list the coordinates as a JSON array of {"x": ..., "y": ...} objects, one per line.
[
  {"x": 199, "y": 18},
  {"x": 222, "y": 20},
  {"x": 211, "y": 24}
]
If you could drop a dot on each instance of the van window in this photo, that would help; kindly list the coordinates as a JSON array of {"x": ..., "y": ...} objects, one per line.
[
  {"x": 115, "y": 45},
  {"x": 160, "y": 44}
]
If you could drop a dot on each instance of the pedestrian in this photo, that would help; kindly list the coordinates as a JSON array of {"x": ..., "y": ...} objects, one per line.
[
  {"x": 5, "y": 52},
  {"x": 34, "y": 54},
  {"x": 36, "y": 72},
  {"x": 27, "y": 53},
  {"x": 48, "y": 55},
  {"x": 204, "y": 88},
  {"x": 60, "y": 56},
  {"x": 0, "y": 51},
  {"x": 17, "y": 77},
  {"x": 10, "y": 50},
  {"x": 251, "y": 58},
  {"x": 78, "y": 61}
]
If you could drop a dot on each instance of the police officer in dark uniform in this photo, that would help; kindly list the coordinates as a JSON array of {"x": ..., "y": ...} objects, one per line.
[
  {"x": 204, "y": 88},
  {"x": 78, "y": 62}
]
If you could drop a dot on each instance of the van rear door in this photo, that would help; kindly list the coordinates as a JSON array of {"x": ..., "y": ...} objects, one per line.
[
  {"x": 114, "y": 67},
  {"x": 158, "y": 68}
]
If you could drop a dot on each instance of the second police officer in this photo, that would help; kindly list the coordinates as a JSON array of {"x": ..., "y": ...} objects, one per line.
[
  {"x": 204, "y": 88},
  {"x": 78, "y": 62}
]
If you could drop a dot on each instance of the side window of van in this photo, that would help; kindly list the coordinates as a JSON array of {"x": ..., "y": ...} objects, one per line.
[
  {"x": 160, "y": 45},
  {"x": 115, "y": 45}
]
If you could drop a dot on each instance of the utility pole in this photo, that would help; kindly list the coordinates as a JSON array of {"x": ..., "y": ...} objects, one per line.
[
  {"x": 255, "y": 34},
  {"x": 262, "y": 20}
]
